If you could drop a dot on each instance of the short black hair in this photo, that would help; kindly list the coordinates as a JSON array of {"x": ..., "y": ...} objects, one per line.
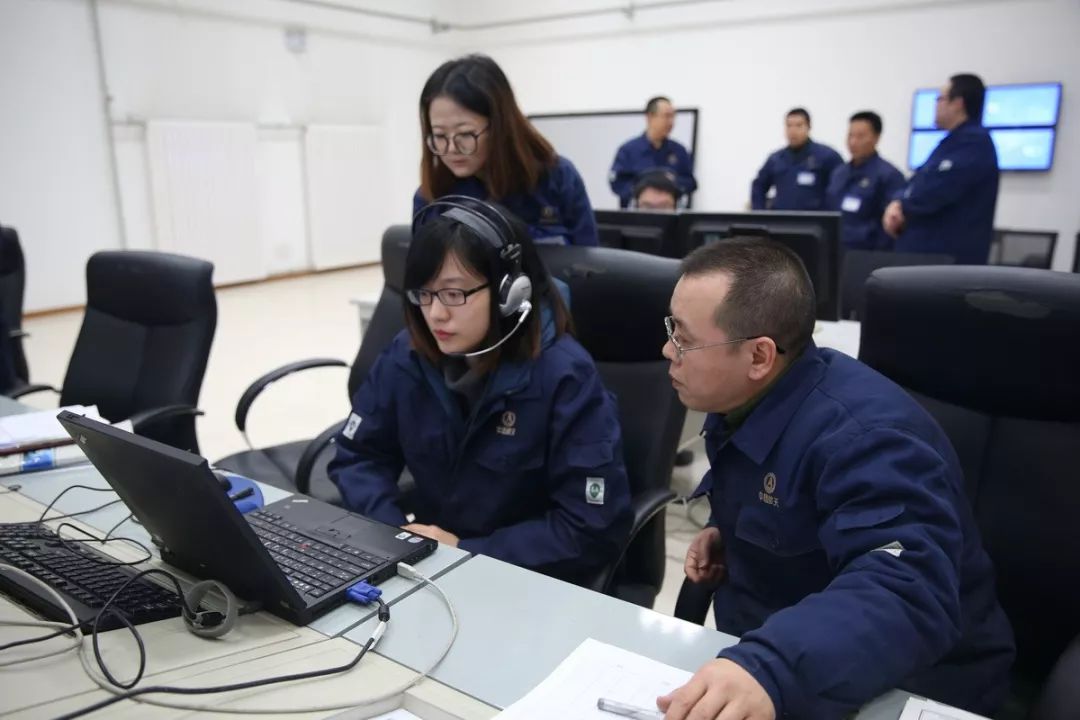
[
  {"x": 971, "y": 90},
  {"x": 657, "y": 181},
  {"x": 799, "y": 111},
  {"x": 654, "y": 104},
  {"x": 868, "y": 116},
  {"x": 770, "y": 293}
]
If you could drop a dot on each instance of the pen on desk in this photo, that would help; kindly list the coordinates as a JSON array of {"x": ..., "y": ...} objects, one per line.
[{"x": 630, "y": 711}]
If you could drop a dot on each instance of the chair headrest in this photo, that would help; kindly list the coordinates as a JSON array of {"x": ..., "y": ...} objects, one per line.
[
  {"x": 150, "y": 288},
  {"x": 1001, "y": 340},
  {"x": 395, "y": 248},
  {"x": 618, "y": 299}
]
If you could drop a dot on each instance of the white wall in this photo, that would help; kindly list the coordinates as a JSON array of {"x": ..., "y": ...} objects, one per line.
[
  {"x": 55, "y": 181},
  {"x": 742, "y": 62},
  {"x": 745, "y": 63},
  {"x": 193, "y": 60}
]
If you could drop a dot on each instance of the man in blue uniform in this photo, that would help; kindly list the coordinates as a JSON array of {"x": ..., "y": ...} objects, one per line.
[
  {"x": 841, "y": 546},
  {"x": 800, "y": 172},
  {"x": 948, "y": 205},
  {"x": 652, "y": 151},
  {"x": 862, "y": 188}
]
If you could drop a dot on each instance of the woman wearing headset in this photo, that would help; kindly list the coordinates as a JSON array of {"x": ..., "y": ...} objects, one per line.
[
  {"x": 498, "y": 413},
  {"x": 478, "y": 143}
]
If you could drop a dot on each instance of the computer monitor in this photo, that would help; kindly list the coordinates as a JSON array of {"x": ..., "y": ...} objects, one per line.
[
  {"x": 1022, "y": 120},
  {"x": 813, "y": 236},
  {"x": 643, "y": 231}
]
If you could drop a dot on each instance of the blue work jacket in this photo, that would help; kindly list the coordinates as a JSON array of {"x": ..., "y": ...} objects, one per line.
[
  {"x": 860, "y": 193},
  {"x": 799, "y": 176},
  {"x": 558, "y": 211},
  {"x": 534, "y": 477},
  {"x": 949, "y": 202},
  {"x": 854, "y": 564},
  {"x": 638, "y": 156}
]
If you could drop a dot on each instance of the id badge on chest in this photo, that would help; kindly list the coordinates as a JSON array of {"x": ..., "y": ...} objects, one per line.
[
  {"x": 806, "y": 178},
  {"x": 851, "y": 204}
]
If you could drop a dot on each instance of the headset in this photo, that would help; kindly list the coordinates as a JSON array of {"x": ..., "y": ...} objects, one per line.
[{"x": 514, "y": 288}]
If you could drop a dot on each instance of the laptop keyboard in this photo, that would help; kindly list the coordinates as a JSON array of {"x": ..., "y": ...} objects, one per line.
[{"x": 314, "y": 568}]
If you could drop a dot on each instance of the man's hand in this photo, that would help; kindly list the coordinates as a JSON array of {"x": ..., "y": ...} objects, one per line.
[
  {"x": 705, "y": 558},
  {"x": 434, "y": 532},
  {"x": 720, "y": 690},
  {"x": 893, "y": 219}
]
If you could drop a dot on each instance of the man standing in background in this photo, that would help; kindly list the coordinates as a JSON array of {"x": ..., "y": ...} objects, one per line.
[
  {"x": 861, "y": 189},
  {"x": 654, "y": 150},
  {"x": 948, "y": 205},
  {"x": 800, "y": 172}
]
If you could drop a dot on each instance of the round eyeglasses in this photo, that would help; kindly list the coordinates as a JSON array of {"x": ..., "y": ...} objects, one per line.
[{"x": 464, "y": 142}]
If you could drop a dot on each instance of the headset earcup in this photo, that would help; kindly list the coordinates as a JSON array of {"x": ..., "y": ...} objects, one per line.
[{"x": 513, "y": 293}]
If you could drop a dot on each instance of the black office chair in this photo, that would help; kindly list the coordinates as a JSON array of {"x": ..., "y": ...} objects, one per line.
[
  {"x": 301, "y": 465},
  {"x": 12, "y": 292},
  {"x": 1023, "y": 248},
  {"x": 618, "y": 302},
  {"x": 992, "y": 354},
  {"x": 856, "y": 266},
  {"x": 145, "y": 338}
]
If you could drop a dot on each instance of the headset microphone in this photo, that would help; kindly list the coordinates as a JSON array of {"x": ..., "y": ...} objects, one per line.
[{"x": 525, "y": 309}]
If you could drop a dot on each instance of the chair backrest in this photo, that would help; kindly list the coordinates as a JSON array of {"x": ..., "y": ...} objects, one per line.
[
  {"x": 12, "y": 293},
  {"x": 993, "y": 354},
  {"x": 388, "y": 318},
  {"x": 858, "y": 264},
  {"x": 1023, "y": 248},
  {"x": 145, "y": 338},
  {"x": 618, "y": 302}
]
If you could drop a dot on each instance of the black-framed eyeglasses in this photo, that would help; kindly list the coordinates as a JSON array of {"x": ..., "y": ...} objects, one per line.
[
  {"x": 449, "y": 297},
  {"x": 680, "y": 349},
  {"x": 464, "y": 142}
]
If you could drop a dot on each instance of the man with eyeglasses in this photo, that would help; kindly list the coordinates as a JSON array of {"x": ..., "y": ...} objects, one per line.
[{"x": 840, "y": 546}]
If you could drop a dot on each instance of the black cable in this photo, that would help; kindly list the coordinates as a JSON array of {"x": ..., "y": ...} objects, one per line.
[
  {"x": 224, "y": 688},
  {"x": 103, "y": 541},
  {"x": 66, "y": 491},
  {"x": 113, "y": 528},
  {"x": 107, "y": 607},
  {"x": 43, "y": 638}
]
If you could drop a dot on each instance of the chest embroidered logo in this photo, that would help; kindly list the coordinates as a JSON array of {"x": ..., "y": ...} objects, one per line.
[
  {"x": 767, "y": 497},
  {"x": 672, "y": 159},
  {"x": 864, "y": 183},
  {"x": 508, "y": 421}
]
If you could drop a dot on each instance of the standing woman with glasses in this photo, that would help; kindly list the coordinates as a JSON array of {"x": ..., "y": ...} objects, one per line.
[
  {"x": 478, "y": 143},
  {"x": 497, "y": 412}
]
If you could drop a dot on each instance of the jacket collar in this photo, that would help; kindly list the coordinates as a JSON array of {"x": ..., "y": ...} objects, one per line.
[{"x": 760, "y": 432}]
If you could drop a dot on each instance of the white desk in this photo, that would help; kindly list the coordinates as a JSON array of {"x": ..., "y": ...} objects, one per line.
[
  {"x": 517, "y": 626},
  {"x": 260, "y": 646}
]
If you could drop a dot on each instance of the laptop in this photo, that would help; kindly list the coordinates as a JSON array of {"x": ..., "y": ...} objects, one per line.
[{"x": 297, "y": 556}]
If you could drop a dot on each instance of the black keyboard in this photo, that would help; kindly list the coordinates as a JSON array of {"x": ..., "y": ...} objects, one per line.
[
  {"x": 314, "y": 568},
  {"x": 80, "y": 575}
]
